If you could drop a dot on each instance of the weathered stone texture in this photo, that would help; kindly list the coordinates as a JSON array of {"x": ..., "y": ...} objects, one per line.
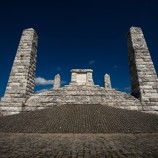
[
  {"x": 144, "y": 80},
  {"x": 22, "y": 77},
  {"x": 107, "y": 82},
  {"x": 82, "y": 95},
  {"x": 81, "y": 77},
  {"x": 57, "y": 82}
]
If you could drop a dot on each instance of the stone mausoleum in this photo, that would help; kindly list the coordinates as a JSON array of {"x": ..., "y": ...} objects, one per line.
[{"x": 20, "y": 97}]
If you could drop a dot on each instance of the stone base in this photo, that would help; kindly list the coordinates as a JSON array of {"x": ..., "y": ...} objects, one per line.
[
  {"x": 71, "y": 94},
  {"x": 82, "y": 95},
  {"x": 8, "y": 108}
]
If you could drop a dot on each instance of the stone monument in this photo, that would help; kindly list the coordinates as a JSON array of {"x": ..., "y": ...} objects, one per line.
[
  {"x": 107, "y": 82},
  {"x": 22, "y": 77},
  {"x": 81, "y": 77},
  {"x": 57, "y": 82},
  {"x": 20, "y": 97},
  {"x": 144, "y": 82}
]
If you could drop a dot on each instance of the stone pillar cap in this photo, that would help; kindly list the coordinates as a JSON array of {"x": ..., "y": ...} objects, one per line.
[
  {"x": 106, "y": 75},
  {"x": 81, "y": 70},
  {"x": 29, "y": 29},
  {"x": 134, "y": 30}
]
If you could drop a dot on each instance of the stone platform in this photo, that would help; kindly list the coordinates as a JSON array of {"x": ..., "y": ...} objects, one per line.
[{"x": 79, "y": 94}]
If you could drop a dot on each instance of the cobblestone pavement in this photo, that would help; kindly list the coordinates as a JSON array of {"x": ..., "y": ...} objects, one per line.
[
  {"x": 22, "y": 145},
  {"x": 80, "y": 119}
]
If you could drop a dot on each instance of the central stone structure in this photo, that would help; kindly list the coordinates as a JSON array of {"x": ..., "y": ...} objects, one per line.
[{"x": 81, "y": 77}]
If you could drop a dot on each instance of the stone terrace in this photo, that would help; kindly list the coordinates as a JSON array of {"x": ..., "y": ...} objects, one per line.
[{"x": 82, "y": 95}]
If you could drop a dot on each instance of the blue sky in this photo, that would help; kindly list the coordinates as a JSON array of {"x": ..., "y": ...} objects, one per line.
[{"x": 77, "y": 34}]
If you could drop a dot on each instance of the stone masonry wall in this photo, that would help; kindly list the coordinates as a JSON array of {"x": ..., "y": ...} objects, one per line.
[
  {"x": 80, "y": 94},
  {"x": 22, "y": 77},
  {"x": 143, "y": 75}
]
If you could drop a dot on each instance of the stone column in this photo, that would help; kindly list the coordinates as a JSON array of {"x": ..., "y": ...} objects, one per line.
[
  {"x": 22, "y": 77},
  {"x": 90, "y": 78},
  {"x": 142, "y": 72},
  {"x": 107, "y": 82},
  {"x": 73, "y": 78},
  {"x": 57, "y": 82}
]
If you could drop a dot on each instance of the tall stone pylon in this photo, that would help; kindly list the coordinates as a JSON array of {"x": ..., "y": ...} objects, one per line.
[
  {"x": 142, "y": 72},
  {"x": 107, "y": 82},
  {"x": 22, "y": 77}
]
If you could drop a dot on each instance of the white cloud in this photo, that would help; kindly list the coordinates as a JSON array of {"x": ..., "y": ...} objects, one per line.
[
  {"x": 40, "y": 81},
  {"x": 42, "y": 90},
  {"x": 91, "y": 62},
  {"x": 43, "y": 81}
]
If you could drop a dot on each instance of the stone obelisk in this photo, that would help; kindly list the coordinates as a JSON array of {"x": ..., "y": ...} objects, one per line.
[
  {"x": 22, "y": 77},
  {"x": 57, "y": 81},
  {"x": 142, "y": 72},
  {"x": 107, "y": 82}
]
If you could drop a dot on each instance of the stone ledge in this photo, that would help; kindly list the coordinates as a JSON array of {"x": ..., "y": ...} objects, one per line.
[{"x": 81, "y": 70}]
